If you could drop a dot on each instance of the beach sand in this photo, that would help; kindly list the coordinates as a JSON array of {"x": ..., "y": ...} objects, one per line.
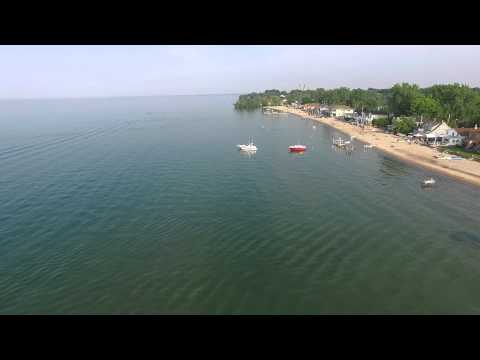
[{"x": 465, "y": 170}]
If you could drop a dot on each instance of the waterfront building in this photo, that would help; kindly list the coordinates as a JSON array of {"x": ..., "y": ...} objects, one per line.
[
  {"x": 442, "y": 134},
  {"x": 340, "y": 111},
  {"x": 471, "y": 137}
]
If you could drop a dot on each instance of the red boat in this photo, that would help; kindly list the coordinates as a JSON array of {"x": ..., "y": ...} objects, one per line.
[{"x": 297, "y": 148}]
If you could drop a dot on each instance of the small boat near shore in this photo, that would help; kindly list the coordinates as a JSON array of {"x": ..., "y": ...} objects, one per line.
[
  {"x": 451, "y": 157},
  {"x": 368, "y": 146},
  {"x": 428, "y": 182},
  {"x": 339, "y": 142},
  {"x": 297, "y": 148}
]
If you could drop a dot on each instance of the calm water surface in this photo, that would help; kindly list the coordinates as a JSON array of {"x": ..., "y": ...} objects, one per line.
[{"x": 144, "y": 205}]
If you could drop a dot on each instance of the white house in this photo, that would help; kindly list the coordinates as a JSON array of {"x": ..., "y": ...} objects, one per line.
[
  {"x": 370, "y": 117},
  {"x": 367, "y": 118},
  {"x": 376, "y": 116},
  {"x": 442, "y": 134},
  {"x": 341, "y": 110},
  {"x": 295, "y": 105}
]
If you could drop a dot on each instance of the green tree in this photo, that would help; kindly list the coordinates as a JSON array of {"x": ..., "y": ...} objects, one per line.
[
  {"x": 456, "y": 103},
  {"x": 404, "y": 125},
  {"x": 273, "y": 92},
  {"x": 381, "y": 122},
  {"x": 366, "y": 100},
  {"x": 307, "y": 100},
  {"x": 401, "y": 98},
  {"x": 426, "y": 106},
  {"x": 459, "y": 101}
]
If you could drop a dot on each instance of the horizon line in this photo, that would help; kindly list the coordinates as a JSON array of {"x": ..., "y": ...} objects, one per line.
[
  {"x": 111, "y": 96},
  {"x": 223, "y": 94}
]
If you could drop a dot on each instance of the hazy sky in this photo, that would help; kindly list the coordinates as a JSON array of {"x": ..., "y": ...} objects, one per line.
[{"x": 76, "y": 71}]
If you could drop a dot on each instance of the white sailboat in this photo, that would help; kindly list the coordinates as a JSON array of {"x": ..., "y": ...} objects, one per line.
[
  {"x": 339, "y": 142},
  {"x": 250, "y": 147}
]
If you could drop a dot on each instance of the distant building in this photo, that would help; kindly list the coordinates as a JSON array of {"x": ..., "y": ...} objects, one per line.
[
  {"x": 377, "y": 116},
  {"x": 368, "y": 118},
  {"x": 295, "y": 105},
  {"x": 315, "y": 109},
  {"x": 341, "y": 111},
  {"x": 442, "y": 134},
  {"x": 311, "y": 106},
  {"x": 363, "y": 118},
  {"x": 471, "y": 137}
]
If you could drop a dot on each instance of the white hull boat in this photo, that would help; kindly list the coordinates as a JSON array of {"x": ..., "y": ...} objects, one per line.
[
  {"x": 454, "y": 157},
  {"x": 428, "y": 182},
  {"x": 250, "y": 147},
  {"x": 339, "y": 142}
]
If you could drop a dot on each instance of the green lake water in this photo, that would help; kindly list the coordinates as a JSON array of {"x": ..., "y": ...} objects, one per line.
[{"x": 145, "y": 206}]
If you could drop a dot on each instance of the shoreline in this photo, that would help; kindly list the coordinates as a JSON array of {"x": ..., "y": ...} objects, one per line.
[{"x": 465, "y": 170}]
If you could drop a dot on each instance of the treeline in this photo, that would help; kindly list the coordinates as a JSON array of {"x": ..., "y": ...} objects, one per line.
[
  {"x": 257, "y": 100},
  {"x": 457, "y": 104}
]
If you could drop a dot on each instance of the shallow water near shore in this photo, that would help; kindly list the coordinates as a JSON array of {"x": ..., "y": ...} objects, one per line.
[{"x": 144, "y": 205}]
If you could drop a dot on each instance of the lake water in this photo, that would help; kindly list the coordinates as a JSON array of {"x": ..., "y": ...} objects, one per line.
[{"x": 145, "y": 206}]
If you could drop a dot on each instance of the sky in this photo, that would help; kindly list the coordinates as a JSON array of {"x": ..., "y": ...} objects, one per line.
[{"x": 105, "y": 71}]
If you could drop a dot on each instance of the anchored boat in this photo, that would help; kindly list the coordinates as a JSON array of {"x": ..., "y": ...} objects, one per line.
[
  {"x": 339, "y": 142},
  {"x": 342, "y": 144},
  {"x": 428, "y": 182},
  {"x": 451, "y": 157},
  {"x": 297, "y": 148},
  {"x": 247, "y": 147}
]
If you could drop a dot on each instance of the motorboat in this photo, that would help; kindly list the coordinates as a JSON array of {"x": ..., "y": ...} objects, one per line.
[
  {"x": 247, "y": 147},
  {"x": 297, "y": 148},
  {"x": 428, "y": 182},
  {"x": 451, "y": 157},
  {"x": 368, "y": 146}
]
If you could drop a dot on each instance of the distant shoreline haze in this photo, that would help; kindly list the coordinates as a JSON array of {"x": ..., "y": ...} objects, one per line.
[
  {"x": 114, "y": 97},
  {"x": 87, "y": 71}
]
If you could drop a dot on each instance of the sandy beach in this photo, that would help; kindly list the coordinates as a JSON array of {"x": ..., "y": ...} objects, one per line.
[{"x": 465, "y": 170}]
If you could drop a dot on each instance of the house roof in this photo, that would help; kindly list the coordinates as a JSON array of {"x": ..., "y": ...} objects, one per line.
[
  {"x": 470, "y": 133},
  {"x": 442, "y": 126},
  {"x": 467, "y": 130},
  {"x": 440, "y": 129}
]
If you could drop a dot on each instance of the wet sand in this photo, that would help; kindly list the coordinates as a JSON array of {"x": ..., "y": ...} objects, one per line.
[{"x": 425, "y": 156}]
